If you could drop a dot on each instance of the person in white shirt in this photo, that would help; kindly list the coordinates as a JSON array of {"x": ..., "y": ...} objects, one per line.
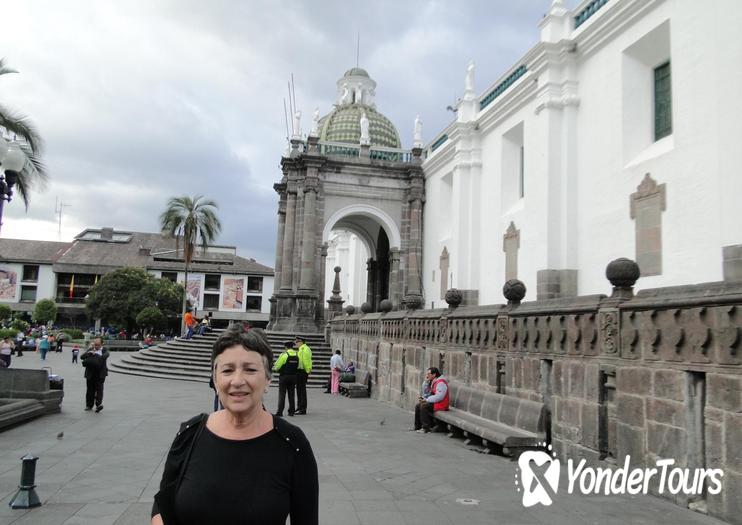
[{"x": 336, "y": 367}]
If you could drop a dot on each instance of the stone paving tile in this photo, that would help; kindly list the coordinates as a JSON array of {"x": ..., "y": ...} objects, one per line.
[{"x": 107, "y": 466}]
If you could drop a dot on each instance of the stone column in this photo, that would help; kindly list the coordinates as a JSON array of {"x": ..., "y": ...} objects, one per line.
[
  {"x": 370, "y": 280},
  {"x": 413, "y": 298},
  {"x": 288, "y": 243},
  {"x": 395, "y": 291},
  {"x": 306, "y": 279},
  {"x": 281, "y": 227}
]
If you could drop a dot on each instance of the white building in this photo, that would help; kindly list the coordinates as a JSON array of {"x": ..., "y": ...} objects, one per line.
[
  {"x": 617, "y": 135},
  {"x": 220, "y": 283}
]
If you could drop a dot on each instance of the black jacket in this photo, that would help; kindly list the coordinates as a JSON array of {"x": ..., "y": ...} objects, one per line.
[
  {"x": 95, "y": 365},
  {"x": 179, "y": 454}
]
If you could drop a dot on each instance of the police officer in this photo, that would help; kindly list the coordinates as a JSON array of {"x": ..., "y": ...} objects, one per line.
[
  {"x": 287, "y": 366},
  {"x": 305, "y": 368}
]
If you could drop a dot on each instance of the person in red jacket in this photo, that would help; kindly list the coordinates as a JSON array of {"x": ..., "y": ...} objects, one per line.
[{"x": 428, "y": 403}]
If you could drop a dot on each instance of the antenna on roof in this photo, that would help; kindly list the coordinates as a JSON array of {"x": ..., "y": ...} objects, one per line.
[
  {"x": 293, "y": 93},
  {"x": 358, "y": 48},
  {"x": 286, "y": 118},
  {"x": 58, "y": 207},
  {"x": 291, "y": 110}
]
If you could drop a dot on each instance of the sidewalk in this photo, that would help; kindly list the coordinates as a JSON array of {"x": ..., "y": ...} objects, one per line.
[{"x": 107, "y": 466}]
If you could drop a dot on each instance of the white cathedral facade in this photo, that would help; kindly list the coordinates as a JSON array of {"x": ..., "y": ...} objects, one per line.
[{"x": 618, "y": 134}]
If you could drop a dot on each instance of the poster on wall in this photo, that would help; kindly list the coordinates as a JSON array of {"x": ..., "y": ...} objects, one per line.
[
  {"x": 8, "y": 280},
  {"x": 234, "y": 294},
  {"x": 193, "y": 291}
]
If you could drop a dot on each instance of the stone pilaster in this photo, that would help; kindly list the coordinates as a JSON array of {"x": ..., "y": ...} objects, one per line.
[
  {"x": 395, "y": 287},
  {"x": 413, "y": 297},
  {"x": 281, "y": 190},
  {"x": 306, "y": 279},
  {"x": 371, "y": 266},
  {"x": 288, "y": 243}
]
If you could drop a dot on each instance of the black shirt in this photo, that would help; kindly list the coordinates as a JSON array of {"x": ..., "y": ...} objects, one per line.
[{"x": 254, "y": 481}]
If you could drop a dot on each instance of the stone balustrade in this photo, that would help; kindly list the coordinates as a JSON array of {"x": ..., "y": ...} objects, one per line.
[{"x": 653, "y": 375}]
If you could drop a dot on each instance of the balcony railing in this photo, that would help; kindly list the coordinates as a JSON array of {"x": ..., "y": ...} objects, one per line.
[{"x": 344, "y": 149}]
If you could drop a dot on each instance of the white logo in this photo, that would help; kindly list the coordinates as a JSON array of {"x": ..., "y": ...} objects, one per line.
[{"x": 539, "y": 476}]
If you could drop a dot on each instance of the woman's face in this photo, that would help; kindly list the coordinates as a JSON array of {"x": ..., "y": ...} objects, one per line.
[{"x": 240, "y": 379}]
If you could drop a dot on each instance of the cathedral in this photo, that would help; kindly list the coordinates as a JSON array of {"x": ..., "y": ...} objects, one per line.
[{"x": 609, "y": 137}]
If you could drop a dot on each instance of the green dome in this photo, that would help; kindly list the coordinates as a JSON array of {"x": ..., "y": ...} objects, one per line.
[
  {"x": 356, "y": 71},
  {"x": 344, "y": 125}
]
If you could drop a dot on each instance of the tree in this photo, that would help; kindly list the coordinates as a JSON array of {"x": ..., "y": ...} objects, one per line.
[
  {"x": 150, "y": 319},
  {"x": 5, "y": 312},
  {"x": 193, "y": 219},
  {"x": 34, "y": 172},
  {"x": 121, "y": 295},
  {"x": 45, "y": 311}
]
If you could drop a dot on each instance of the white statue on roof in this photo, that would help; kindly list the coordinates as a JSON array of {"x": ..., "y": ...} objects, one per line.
[
  {"x": 417, "y": 139},
  {"x": 469, "y": 80},
  {"x": 314, "y": 132},
  {"x": 345, "y": 95},
  {"x": 365, "y": 138},
  {"x": 297, "y": 125}
]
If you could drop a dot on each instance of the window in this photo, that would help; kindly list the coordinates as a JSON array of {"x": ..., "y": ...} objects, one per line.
[
  {"x": 213, "y": 282},
  {"x": 30, "y": 273},
  {"x": 254, "y": 284},
  {"x": 73, "y": 288},
  {"x": 513, "y": 169},
  {"x": 662, "y": 101},
  {"x": 170, "y": 276},
  {"x": 28, "y": 294},
  {"x": 254, "y": 302},
  {"x": 211, "y": 301}
]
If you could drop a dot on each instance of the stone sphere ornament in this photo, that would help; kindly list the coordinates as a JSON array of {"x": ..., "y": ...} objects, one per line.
[
  {"x": 514, "y": 291},
  {"x": 386, "y": 306},
  {"x": 350, "y": 309},
  {"x": 622, "y": 272},
  {"x": 454, "y": 297},
  {"x": 413, "y": 302},
  {"x": 366, "y": 308},
  {"x": 337, "y": 269}
]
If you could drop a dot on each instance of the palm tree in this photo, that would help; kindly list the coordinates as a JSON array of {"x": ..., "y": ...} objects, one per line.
[
  {"x": 193, "y": 219},
  {"x": 33, "y": 172}
]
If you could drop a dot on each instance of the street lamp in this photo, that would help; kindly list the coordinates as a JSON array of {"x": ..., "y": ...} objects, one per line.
[{"x": 12, "y": 160}]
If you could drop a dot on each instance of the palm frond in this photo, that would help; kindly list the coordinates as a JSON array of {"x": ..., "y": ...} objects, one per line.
[
  {"x": 21, "y": 126},
  {"x": 33, "y": 176},
  {"x": 4, "y": 70}
]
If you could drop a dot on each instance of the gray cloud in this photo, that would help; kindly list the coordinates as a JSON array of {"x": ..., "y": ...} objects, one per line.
[{"x": 139, "y": 101}]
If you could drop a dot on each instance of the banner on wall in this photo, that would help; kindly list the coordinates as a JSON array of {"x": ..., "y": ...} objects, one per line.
[
  {"x": 8, "y": 281},
  {"x": 234, "y": 294},
  {"x": 193, "y": 291}
]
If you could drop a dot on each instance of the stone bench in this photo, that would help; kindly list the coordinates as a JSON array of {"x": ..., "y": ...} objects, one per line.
[
  {"x": 513, "y": 423},
  {"x": 14, "y": 411},
  {"x": 360, "y": 388},
  {"x": 17, "y": 383}
]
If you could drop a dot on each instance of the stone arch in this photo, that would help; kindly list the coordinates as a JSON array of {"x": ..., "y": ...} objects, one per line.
[{"x": 371, "y": 212}]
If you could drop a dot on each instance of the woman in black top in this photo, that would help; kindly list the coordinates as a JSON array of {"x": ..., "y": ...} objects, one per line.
[{"x": 239, "y": 465}]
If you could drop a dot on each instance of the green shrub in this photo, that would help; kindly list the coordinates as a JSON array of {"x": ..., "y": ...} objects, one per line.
[
  {"x": 45, "y": 311},
  {"x": 73, "y": 333},
  {"x": 20, "y": 325},
  {"x": 8, "y": 332}
]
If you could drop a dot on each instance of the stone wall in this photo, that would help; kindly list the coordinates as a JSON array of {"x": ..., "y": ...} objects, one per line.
[{"x": 654, "y": 375}]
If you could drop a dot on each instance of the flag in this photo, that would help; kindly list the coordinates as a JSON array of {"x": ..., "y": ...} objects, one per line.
[
  {"x": 96, "y": 280},
  {"x": 72, "y": 287}
]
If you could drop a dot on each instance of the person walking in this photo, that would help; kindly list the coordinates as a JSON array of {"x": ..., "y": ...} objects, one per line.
[
  {"x": 43, "y": 347},
  {"x": 6, "y": 350},
  {"x": 305, "y": 368},
  {"x": 96, "y": 370},
  {"x": 287, "y": 366},
  {"x": 336, "y": 368},
  {"x": 75, "y": 353}
]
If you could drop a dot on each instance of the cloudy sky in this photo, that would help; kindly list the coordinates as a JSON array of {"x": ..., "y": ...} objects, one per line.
[{"x": 142, "y": 100}]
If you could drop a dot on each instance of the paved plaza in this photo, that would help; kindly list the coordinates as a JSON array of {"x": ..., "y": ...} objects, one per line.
[{"x": 106, "y": 467}]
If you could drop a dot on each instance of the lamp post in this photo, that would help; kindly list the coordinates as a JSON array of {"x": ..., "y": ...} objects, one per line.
[{"x": 12, "y": 160}]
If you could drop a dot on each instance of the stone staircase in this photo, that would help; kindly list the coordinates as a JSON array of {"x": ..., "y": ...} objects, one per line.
[{"x": 190, "y": 359}]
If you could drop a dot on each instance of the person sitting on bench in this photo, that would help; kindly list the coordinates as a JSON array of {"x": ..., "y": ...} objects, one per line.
[{"x": 430, "y": 401}]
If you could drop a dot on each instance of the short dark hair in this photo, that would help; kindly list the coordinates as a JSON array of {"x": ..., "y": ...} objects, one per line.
[
  {"x": 288, "y": 344},
  {"x": 434, "y": 370},
  {"x": 300, "y": 338},
  {"x": 337, "y": 352},
  {"x": 254, "y": 340}
]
